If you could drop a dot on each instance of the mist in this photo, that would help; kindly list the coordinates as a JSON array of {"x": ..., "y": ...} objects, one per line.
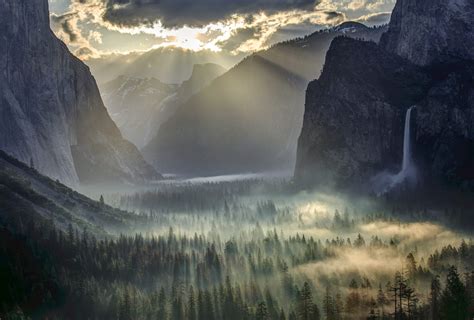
[
  {"x": 325, "y": 177},
  {"x": 327, "y": 239}
]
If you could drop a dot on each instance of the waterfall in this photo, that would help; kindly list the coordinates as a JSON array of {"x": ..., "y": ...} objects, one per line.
[
  {"x": 384, "y": 182},
  {"x": 406, "y": 164}
]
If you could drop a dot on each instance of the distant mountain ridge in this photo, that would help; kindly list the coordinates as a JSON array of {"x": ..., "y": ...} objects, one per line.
[
  {"x": 140, "y": 105},
  {"x": 132, "y": 103},
  {"x": 351, "y": 27},
  {"x": 248, "y": 119},
  {"x": 52, "y": 113},
  {"x": 201, "y": 76},
  {"x": 168, "y": 64}
]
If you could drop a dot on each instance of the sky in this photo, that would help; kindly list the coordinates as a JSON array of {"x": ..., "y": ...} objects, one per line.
[{"x": 93, "y": 28}]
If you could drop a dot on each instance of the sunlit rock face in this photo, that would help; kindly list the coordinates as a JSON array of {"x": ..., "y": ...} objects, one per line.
[
  {"x": 249, "y": 119},
  {"x": 353, "y": 126},
  {"x": 51, "y": 111}
]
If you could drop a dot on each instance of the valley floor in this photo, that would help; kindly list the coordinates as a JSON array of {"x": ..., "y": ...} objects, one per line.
[{"x": 239, "y": 249}]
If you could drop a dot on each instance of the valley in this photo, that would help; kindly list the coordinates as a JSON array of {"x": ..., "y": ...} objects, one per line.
[{"x": 236, "y": 160}]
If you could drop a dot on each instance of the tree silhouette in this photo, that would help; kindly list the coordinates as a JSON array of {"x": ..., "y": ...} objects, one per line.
[
  {"x": 454, "y": 299},
  {"x": 435, "y": 294}
]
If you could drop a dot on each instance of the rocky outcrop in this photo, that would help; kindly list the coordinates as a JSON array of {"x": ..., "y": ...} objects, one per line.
[
  {"x": 430, "y": 32},
  {"x": 444, "y": 125},
  {"x": 52, "y": 115},
  {"x": 249, "y": 119},
  {"x": 354, "y": 118},
  {"x": 353, "y": 123}
]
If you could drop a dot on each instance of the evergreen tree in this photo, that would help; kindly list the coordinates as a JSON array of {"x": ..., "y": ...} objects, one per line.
[
  {"x": 372, "y": 315},
  {"x": 282, "y": 315},
  {"x": 398, "y": 293},
  {"x": 359, "y": 241},
  {"x": 470, "y": 292},
  {"x": 338, "y": 306},
  {"x": 125, "y": 312},
  {"x": 287, "y": 280},
  {"x": 382, "y": 300},
  {"x": 306, "y": 309},
  {"x": 292, "y": 316},
  {"x": 201, "y": 308},
  {"x": 191, "y": 307},
  {"x": 411, "y": 300},
  {"x": 329, "y": 306},
  {"x": 177, "y": 309},
  {"x": 208, "y": 307},
  {"x": 271, "y": 304},
  {"x": 435, "y": 295},
  {"x": 262, "y": 312},
  {"x": 411, "y": 266},
  {"x": 353, "y": 298},
  {"x": 454, "y": 300},
  {"x": 161, "y": 312}
]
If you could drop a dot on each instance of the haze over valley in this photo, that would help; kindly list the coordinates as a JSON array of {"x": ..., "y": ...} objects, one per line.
[{"x": 211, "y": 160}]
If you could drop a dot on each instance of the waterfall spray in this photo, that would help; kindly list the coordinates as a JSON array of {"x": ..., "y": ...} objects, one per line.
[{"x": 384, "y": 182}]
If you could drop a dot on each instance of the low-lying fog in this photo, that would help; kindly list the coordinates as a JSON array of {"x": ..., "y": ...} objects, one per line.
[{"x": 264, "y": 230}]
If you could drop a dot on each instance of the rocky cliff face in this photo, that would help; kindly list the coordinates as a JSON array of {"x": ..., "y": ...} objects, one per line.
[
  {"x": 51, "y": 112},
  {"x": 354, "y": 118},
  {"x": 353, "y": 123},
  {"x": 444, "y": 126},
  {"x": 431, "y": 31}
]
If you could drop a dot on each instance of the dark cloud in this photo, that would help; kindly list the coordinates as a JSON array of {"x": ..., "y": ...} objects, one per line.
[
  {"x": 84, "y": 52},
  {"x": 175, "y": 13},
  {"x": 376, "y": 19},
  {"x": 64, "y": 23},
  {"x": 334, "y": 15},
  {"x": 291, "y": 32},
  {"x": 240, "y": 37}
]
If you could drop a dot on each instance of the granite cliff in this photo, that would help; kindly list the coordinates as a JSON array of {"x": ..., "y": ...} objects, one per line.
[
  {"x": 52, "y": 115},
  {"x": 355, "y": 112}
]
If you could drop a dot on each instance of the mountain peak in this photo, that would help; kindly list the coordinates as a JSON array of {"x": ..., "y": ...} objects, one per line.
[
  {"x": 202, "y": 75},
  {"x": 432, "y": 31},
  {"x": 205, "y": 70},
  {"x": 350, "y": 27}
]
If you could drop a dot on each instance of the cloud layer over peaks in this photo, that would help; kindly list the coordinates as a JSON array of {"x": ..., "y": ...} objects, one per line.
[{"x": 176, "y": 13}]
